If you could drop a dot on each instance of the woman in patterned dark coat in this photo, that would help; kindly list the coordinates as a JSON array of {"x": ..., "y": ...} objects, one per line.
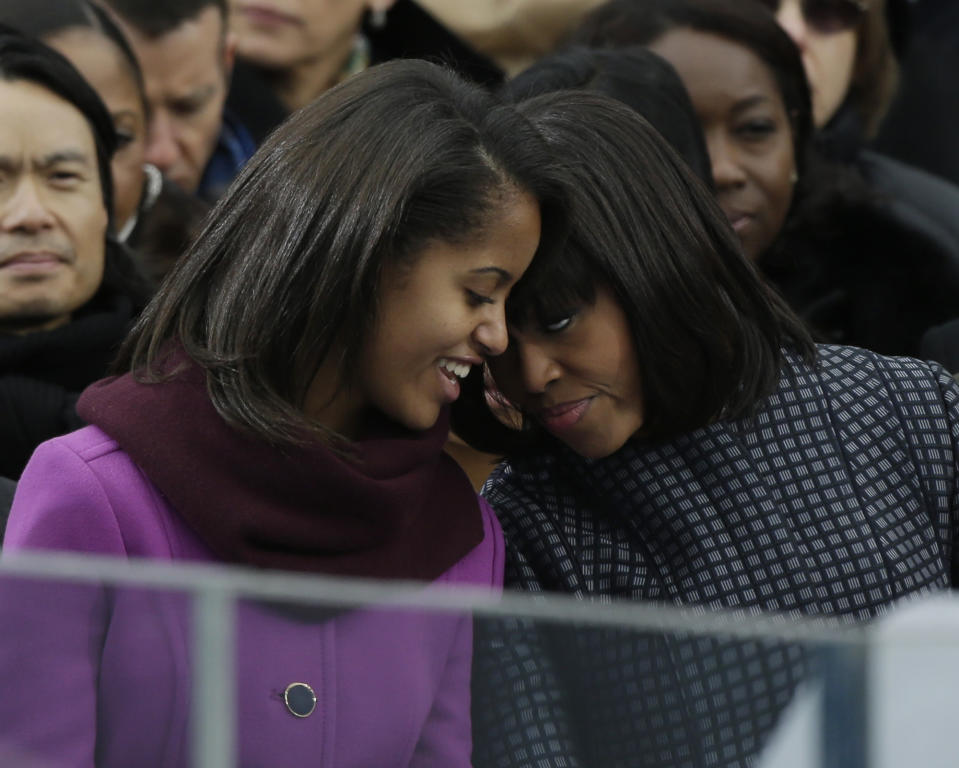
[{"x": 684, "y": 442}]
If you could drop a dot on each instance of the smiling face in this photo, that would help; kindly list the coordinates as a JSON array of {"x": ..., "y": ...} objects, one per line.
[
  {"x": 829, "y": 59},
  {"x": 52, "y": 218},
  {"x": 186, "y": 72},
  {"x": 105, "y": 68},
  {"x": 437, "y": 317},
  {"x": 747, "y": 131},
  {"x": 577, "y": 376}
]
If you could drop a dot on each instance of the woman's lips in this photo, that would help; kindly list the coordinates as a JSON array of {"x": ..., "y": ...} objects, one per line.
[
  {"x": 739, "y": 221},
  {"x": 266, "y": 16},
  {"x": 564, "y": 416}
]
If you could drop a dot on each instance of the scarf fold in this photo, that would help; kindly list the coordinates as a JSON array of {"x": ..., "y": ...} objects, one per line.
[{"x": 398, "y": 507}]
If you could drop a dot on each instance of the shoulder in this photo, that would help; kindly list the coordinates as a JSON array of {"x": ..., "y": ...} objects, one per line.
[
  {"x": 898, "y": 179},
  {"x": 868, "y": 388},
  {"x": 845, "y": 367},
  {"x": 484, "y": 564},
  {"x": 86, "y": 455},
  {"x": 917, "y": 198},
  {"x": 80, "y": 492}
]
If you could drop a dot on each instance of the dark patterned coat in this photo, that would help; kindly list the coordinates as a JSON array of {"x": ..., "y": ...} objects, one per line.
[{"x": 839, "y": 497}]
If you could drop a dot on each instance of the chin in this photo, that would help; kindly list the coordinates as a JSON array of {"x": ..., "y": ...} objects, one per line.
[
  {"x": 418, "y": 422},
  {"x": 597, "y": 449}
]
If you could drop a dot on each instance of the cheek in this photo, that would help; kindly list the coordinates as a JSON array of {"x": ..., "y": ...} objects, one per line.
[
  {"x": 837, "y": 56},
  {"x": 90, "y": 231},
  {"x": 777, "y": 180},
  {"x": 127, "y": 170},
  {"x": 331, "y": 21},
  {"x": 278, "y": 50}
]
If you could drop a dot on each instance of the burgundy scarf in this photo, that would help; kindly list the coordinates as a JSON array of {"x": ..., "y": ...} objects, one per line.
[{"x": 398, "y": 508}]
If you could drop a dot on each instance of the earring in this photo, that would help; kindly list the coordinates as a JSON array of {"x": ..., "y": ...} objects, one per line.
[
  {"x": 793, "y": 177},
  {"x": 378, "y": 18}
]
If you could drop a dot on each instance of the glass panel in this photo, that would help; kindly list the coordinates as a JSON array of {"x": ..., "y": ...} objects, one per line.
[{"x": 109, "y": 663}]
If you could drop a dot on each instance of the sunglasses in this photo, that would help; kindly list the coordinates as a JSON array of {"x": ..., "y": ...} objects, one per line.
[{"x": 827, "y": 16}]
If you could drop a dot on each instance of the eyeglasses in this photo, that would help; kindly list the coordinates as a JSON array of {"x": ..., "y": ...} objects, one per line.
[{"x": 827, "y": 16}]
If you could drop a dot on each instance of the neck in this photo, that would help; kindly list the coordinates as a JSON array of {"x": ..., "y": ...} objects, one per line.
[
  {"x": 302, "y": 83},
  {"x": 333, "y": 403}
]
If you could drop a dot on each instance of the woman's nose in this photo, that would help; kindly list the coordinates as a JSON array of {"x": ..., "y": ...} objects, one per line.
[
  {"x": 537, "y": 367},
  {"x": 491, "y": 333},
  {"x": 727, "y": 170}
]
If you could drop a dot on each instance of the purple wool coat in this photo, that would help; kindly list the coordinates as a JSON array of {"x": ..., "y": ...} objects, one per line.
[{"x": 96, "y": 676}]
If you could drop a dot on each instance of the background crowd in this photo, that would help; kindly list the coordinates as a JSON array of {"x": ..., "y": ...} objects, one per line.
[{"x": 701, "y": 235}]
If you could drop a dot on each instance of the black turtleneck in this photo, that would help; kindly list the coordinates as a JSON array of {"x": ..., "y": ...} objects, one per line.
[{"x": 43, "y": 373}]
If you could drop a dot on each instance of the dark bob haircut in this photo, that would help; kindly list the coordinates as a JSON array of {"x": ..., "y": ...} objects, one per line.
[
  {"x": 286, "y": 271},
  {"x": 635, "y": 76},
  {"x": 622, "y": 23},
  {"x": 708, "y": 333}
]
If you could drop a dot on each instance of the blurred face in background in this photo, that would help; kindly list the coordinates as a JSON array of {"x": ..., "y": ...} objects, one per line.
[
  {"x": 284, "y": 34},
  {"x": 187, "y": 73},
  {"x": 104, "y": 66},
  {"x": 52, "y": 218},
  {"x": 747, "y": 130},
  {"x": 825, "y": 33}
]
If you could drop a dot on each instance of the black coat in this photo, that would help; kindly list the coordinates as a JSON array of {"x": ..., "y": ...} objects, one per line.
[
  {"x": 43, "y": 373},
  {"x": 923, "y": 120},
  {"x": 877, "y": 272},
  {"x": 410, "y": 33}
]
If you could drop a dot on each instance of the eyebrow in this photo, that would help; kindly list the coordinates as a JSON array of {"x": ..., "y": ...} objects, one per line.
[
  {"x": 8, "y": 164},
  {"x": 199, "y": 94},
  {"x": 502, "y": 275},
  {"x": 62, "y": 156},
  {"x": 749, "y": 102}
]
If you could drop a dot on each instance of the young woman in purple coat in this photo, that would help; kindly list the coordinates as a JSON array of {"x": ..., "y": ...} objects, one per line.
[{"x": 283, "y": 403}]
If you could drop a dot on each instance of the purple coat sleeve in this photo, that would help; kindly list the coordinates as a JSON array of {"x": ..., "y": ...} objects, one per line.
[{"x": 53, "y": 633}]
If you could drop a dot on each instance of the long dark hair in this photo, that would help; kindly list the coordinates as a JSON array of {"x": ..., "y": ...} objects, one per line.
[
  {"x": 287, "y": 267},
  {"x": 635, "y": 76},
  {"x": 708, "y": 333}
]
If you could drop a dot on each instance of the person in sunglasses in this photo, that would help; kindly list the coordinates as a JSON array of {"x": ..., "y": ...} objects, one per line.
[
  {"x": 860, "y": 265},
  {"x": 847, "y": 55},
  {"x": 923, "y": 120}
]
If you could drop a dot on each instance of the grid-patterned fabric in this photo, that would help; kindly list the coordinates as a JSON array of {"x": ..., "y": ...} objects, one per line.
[{"x": 839, "y": 497}]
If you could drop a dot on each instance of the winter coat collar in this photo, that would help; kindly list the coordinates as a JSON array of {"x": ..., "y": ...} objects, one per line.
[{"x": 397, "y": 508}]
